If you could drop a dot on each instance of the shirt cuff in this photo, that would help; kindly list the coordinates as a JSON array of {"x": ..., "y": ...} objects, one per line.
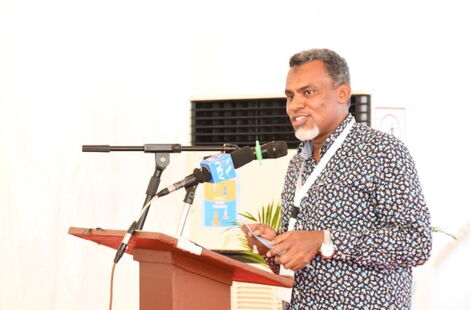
[{"x": 344, "y": 243}]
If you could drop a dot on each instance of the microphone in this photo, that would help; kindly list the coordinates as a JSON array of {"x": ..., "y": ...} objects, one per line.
[
  {"x": 213, "y": 169},
  {"x": 274, "y": 149},
  {"x": 219, "y": 168}
]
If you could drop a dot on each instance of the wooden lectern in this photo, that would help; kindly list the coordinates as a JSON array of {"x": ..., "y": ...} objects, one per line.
[{"x": 171, "y": 278}]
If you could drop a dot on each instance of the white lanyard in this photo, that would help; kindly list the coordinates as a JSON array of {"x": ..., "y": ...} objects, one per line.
[
  {"x": 300, "y": 192},
  {"x": 286, "y": 293}
]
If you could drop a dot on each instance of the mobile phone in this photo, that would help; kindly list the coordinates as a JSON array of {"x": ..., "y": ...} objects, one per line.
[{"x": 265, "y": 242}]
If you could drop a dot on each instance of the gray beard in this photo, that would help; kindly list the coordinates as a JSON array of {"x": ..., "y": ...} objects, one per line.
[{"x": 306, "y": 134}]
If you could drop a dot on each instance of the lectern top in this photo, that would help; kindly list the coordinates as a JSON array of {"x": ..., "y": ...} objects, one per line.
[{"x": 241, "y": 272}]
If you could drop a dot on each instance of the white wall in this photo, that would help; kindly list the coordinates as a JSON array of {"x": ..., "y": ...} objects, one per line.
[{"x": 122, "y": 73}]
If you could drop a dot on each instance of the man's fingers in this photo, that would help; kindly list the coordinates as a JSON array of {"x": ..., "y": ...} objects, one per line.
[
  {"x": 283, "y": 258},
  {"x": 251, "y": 229},
  {"x": 289, "y": 262},
  {"x": 245, "y": 230},
  {"x": 281, "y": 238},
  {"x": 281, "y": 244},
  {"x": 260, "y": 230},
  {"x": 264, "y": 231},
  {"x": 280, "y": 249},
  {"x": 293, "y": 266}
]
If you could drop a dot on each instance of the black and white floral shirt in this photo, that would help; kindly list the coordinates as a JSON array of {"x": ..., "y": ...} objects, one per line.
[{"x": 369, "y": 198}]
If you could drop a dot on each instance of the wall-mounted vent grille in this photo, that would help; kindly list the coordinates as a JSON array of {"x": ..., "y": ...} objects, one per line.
[
  {"x": 360, "y": 108},
  {"x": 243, "y": 121}
]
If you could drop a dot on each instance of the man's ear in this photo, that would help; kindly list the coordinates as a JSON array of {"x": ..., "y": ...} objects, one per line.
[{"x": 344, "y": 93}]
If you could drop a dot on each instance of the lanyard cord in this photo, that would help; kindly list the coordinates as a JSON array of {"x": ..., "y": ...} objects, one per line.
[{"x": 301, "y": 190}]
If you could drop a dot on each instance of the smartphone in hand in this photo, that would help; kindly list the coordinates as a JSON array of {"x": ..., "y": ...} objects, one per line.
[{"x": 265, "y": 242}]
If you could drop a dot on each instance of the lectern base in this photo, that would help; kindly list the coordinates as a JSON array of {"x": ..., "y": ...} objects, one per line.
[{"x": 171, "y": 281}]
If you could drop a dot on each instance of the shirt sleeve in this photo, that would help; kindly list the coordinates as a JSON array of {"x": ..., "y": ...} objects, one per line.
[
  {"x": 402, "y": 236},
  {"x": 271, "y": 264}
]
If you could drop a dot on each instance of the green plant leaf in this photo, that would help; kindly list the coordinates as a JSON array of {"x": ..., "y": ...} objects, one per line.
[
  {"x": 248, "y": 216},
  {"x": 270, "y": 215},
  {"x": 269, "y": 212},
  {"x": 276, "y": 221},
  {"x": 254, "y": 257}
]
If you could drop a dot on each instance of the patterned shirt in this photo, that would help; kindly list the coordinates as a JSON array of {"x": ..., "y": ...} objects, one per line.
[{"x": 369, "y": 198}]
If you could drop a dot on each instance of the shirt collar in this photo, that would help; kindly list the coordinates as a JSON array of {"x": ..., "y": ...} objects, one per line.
[{"x": 305, "y": 148}]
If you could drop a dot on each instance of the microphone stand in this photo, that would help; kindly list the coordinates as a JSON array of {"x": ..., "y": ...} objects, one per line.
[
  {"x": 162, "y": 160},
  {"x": 188, "y": 201}
]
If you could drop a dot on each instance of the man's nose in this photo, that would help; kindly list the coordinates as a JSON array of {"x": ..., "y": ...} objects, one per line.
[{"x": 295, "y": 104}]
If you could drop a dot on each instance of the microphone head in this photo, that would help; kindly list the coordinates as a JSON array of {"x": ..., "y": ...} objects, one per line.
[
  {"x": 274, "y": 149},
  {"x": 242, "y": 156},
  {"x": 202, "y": 175},
  {"x": 220, "y": 167}
]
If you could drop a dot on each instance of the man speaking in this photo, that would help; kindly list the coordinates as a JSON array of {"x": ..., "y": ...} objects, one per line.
[{"x": 354, "y": 220}]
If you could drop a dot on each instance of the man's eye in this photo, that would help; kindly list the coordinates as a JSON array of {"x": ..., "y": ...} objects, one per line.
[{"x": 308, "y": 92}]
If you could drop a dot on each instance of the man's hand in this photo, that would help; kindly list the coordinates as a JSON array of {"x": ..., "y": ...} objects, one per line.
[
  {"x": 295, "y": 249},
  {"x": 261, "y": 230}
]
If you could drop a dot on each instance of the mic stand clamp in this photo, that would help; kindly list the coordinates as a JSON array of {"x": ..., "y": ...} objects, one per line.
[
  {"x": 162, "y": 160},
  {"x": 188, "y": 201}
]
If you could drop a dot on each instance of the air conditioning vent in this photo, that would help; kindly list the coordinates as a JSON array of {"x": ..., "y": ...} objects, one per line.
[
  {"x": 360, "y": 108},
  {"x": 243, "y": 121}
]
